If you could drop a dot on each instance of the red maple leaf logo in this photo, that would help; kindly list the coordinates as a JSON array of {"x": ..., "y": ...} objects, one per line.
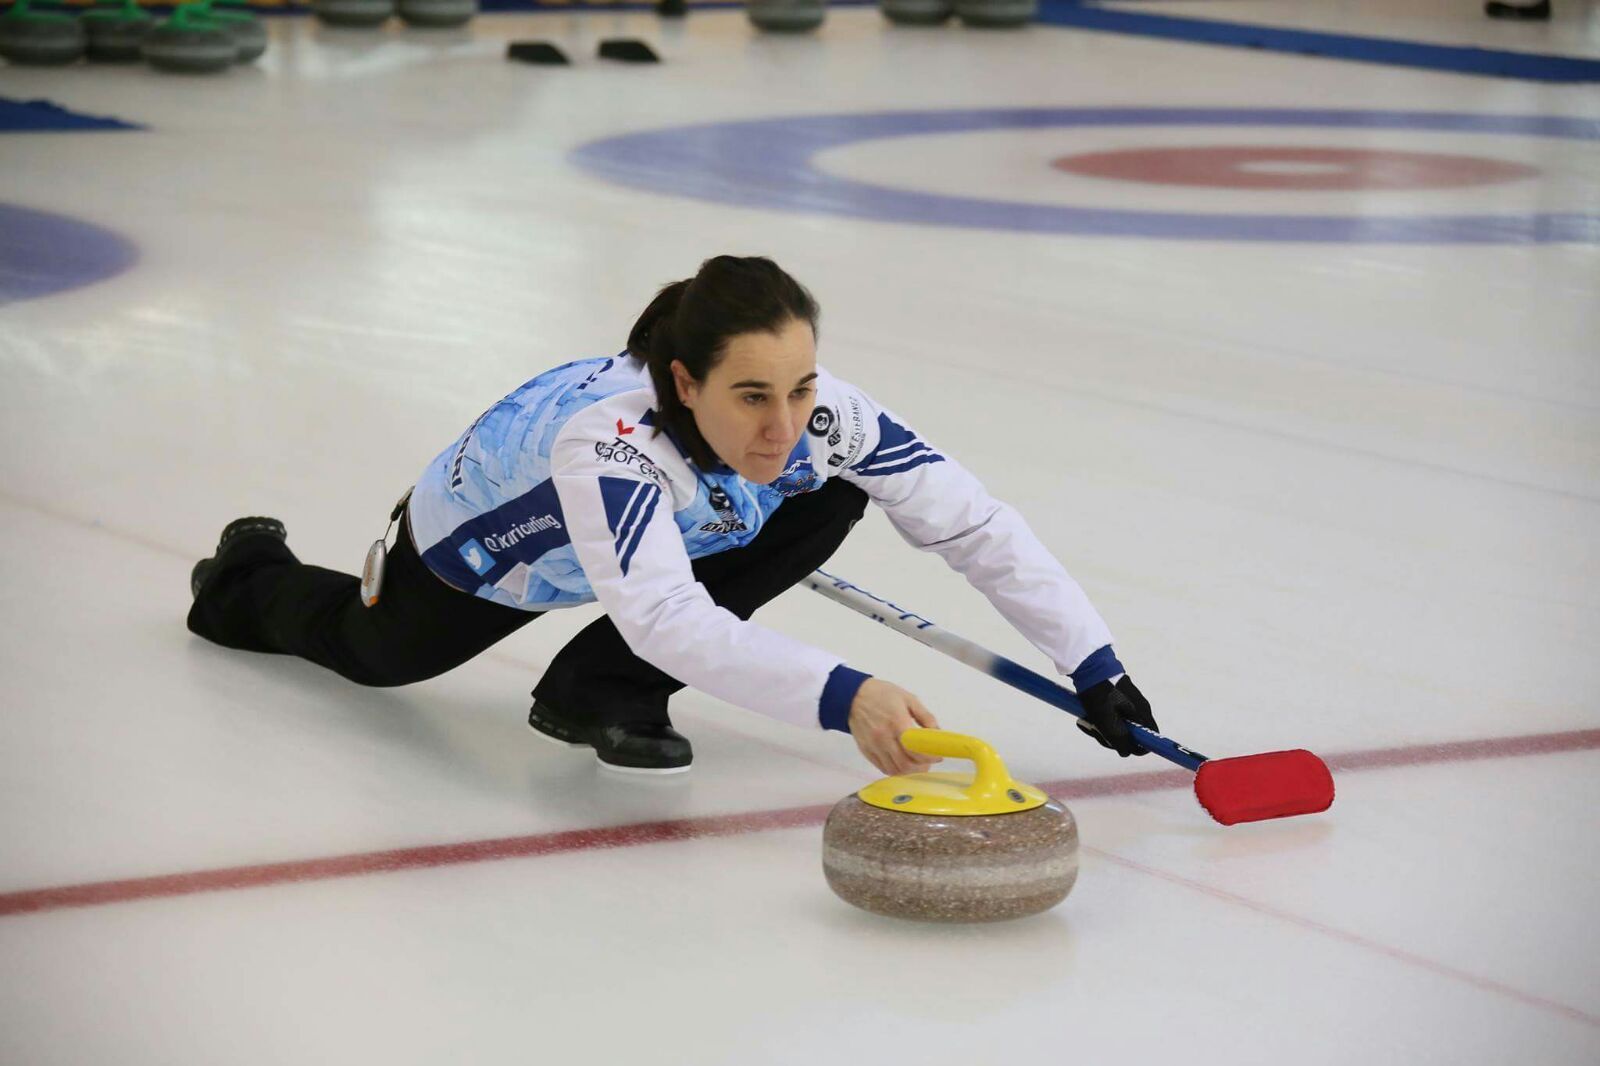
[{"x": 622, "y": 430}]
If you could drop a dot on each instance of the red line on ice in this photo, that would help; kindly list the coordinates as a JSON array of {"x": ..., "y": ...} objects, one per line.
[{"x": 624, "y": 836}]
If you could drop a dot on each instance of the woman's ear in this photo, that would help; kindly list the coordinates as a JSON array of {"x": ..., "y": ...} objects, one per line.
[{"x": 685, "y": 383}]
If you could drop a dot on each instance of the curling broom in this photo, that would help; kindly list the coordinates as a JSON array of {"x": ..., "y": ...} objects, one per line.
[{"x": 1244, "y": 788}]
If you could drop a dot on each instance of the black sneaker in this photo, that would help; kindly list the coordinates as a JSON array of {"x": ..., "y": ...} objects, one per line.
[
  {"x": 643, "y": 748},
  {"x": 558, "y": 728},
  {"x": 626, "y": 747},
  {"x": 234, "y": 533}
]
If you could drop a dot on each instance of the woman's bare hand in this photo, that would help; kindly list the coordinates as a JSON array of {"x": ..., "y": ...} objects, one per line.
[{"x": 879, "y": 714}]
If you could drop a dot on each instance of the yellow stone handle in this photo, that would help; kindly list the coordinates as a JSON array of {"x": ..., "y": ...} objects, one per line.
[{"x": 992, "y": 781}]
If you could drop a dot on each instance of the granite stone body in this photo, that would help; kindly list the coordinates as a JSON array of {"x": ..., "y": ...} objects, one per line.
[
  {"x": 189, "y": 49},
  {"x": 41, "y": 40},
  {"x": 361, "y": 13},
  {"x": 916, "y": 12},
  {"x": 787, "y": 16},
  {"x": 248, "y": 33},
  {"x": 115, "y": 37},
  {"x": 437, "y": 14},
  {"x": 950, "y": 868},
  {"x": 998, "y": 14}
]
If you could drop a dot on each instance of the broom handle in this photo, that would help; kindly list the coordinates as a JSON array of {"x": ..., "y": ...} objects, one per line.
[{"x": 983, "y": 660}]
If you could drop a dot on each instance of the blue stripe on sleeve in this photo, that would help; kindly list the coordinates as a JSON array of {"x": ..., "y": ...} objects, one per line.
[
  {"x": 898, "y": 450},
  {"x": 653, "y": 498},
  {"x": 629, "y": 505},
  {"x": 630, "y": 515}
]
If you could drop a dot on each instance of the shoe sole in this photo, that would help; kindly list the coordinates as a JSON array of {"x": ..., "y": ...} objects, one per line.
[
  {"x": 644, "y": 771},
  {"x": 231, "y": 534},
  {"x": 641, "y": 771}
]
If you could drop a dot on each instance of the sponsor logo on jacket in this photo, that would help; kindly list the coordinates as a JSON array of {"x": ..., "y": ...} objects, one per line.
[
  {"x": 728, "y": 519},
  {"x": 456, "y": 477},
  {"x": 858, "y": 431},
  {"x": 501, "y": 541},
  {"x": 799, "y": 477},
  {"x": 477, "y": 557},
  {"x": 620, "y": 451}
]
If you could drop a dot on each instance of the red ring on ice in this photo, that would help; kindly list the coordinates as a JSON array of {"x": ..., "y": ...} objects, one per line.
[{"x": 1284, "y": 167}]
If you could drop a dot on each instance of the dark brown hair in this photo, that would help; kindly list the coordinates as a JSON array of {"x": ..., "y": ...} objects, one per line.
[{"x": 693, "y": 320}]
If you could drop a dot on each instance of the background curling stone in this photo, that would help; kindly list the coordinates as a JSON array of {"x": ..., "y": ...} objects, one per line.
[
  {"x": 627, "y": 50},
  {"x": 40, "y": 38},
  {"x": 114, "y": 33},
  {"x": 437, "y": 14},
  {"x": 672, "y": 9},
  {"x": 996, "y": 14},
  {"x": 946, "y": 847},
  {"x": 249, "y": 35},
  {"x": 542, "y": 53},
  {"x": 190, "y": 42},
  {"x": 361, "y": 14},
  {"x": 786, "y": 16},
  {"x": 916, "y": 12}
]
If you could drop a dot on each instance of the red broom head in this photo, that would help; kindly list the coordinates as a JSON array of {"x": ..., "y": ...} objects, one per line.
[{"x": 1253, "y": 788}]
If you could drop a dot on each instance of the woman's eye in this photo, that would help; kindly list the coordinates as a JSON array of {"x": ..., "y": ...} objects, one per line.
[
  {"x": 755, "y": 399},
  {"x": 800, "y": 394}
]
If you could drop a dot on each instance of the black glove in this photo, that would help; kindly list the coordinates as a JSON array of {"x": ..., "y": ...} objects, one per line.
[{"x": 1107, "y": 707}]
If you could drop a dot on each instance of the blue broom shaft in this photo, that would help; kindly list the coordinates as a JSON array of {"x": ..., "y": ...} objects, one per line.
[{"x": 980, "y": 658}]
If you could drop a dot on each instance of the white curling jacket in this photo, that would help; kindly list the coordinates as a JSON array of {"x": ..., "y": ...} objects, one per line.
[{"x": 567, "y": 492}]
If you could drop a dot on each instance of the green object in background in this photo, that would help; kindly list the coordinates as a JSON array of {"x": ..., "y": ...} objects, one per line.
[
  {"x": 247, "y": 31},
  {"x": 192, "y": 41},
  {"x": 39, "y": 38},
  {"x": 114, "y": 32}
]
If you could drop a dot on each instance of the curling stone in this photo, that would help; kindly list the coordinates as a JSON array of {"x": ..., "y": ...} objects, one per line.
[
  {"x": 190, "y": 42},
  {"x": 114, "y": 33},
  {"x": 949, "y": 847},
  {"x": 786, "y": 16},
  {"x": 357, "y": 13},
  {"x": 39, "y": 38},
  {"x": 248, "y": 33},
  {"x": 916, "y": 12},
  {"x": 996, "y": 14},
  {"x": 437, "y": 14}
]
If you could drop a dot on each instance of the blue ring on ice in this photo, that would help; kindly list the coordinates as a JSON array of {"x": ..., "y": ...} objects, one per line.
[
  {"x": 768, "y": 163},
  {"x": 42, "y": 253}
]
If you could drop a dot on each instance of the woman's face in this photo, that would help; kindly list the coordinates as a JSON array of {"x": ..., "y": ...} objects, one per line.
[{"x": 756, "y": 402}]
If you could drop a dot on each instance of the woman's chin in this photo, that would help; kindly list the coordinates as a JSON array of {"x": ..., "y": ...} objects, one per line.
[{"x": 762, "y": 471}]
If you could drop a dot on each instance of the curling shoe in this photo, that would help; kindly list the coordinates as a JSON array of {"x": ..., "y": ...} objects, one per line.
[
  {"x": 235, "y": 533},
  {"x": 626, "y": 747}
]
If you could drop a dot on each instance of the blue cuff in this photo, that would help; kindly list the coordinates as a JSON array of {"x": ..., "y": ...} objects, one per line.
[
  {"x": 1099, "y": 666},
  {"x": 834, "y": 709}
]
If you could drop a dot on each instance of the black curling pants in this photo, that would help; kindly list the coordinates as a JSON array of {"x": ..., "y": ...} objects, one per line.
[{"x": 266, "y": 600}]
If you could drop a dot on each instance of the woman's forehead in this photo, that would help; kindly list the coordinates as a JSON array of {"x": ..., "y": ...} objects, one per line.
[{"x": 777, "y": 359}]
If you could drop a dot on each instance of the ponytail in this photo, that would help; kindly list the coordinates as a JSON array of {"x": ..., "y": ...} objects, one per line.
[{"x": 651, "y": 341}]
